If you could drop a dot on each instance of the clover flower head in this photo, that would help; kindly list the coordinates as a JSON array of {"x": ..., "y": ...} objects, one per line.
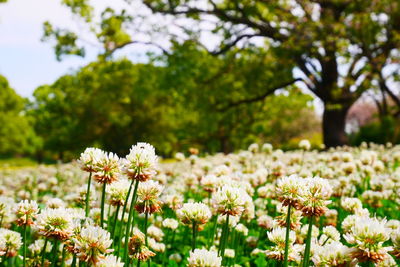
[
  {"x": 140, "y": 162},
  {"x": 230, "y": 200},
  {"x": 108, "y": 168},
  {"x": 118, "y": 191},
  {"x": 92, "y": 244},
  {"x": 54, "y": 223},
  {"x": 89, "y": 159},
  {"x": 314, "y": 199},
  {"x": 204, "y": 258},
  {"x": 147, "y": 197},
  {"x": 190, "y": 213},
  {"x": 289, "y": 190},
  {"x": 26, "y": 210}
]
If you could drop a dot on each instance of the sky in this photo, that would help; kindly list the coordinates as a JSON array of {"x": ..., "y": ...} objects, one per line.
[{"x": 24, "y": 60}]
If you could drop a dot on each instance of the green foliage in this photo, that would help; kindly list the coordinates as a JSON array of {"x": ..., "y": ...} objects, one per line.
[
  {"x": 174, "y": 102},
  {"x": 111, "y": 104},
  {"x": 381, "y": 131},
  {"x": 16, "y": 133},
  {"x": 66, "y": 41}
]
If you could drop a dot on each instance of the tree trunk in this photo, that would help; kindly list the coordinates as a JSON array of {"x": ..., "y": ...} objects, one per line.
[{"x": 333, "y": 125}]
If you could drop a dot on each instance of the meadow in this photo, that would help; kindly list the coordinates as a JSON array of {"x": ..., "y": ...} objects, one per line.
[{"x": 257, "y": 207}]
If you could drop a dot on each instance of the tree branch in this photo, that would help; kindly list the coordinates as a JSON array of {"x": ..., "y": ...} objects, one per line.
[{"x": 257, "y": 98}]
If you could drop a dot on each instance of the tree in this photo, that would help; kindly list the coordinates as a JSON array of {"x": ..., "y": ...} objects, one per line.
[
  {"x": 16, "y": 134},
  {"x": 111, "y": 104},
  {"x": 187, "y": 98},
  {"x": 319, "y": 36},
  {"x": 212, "y": 93}
]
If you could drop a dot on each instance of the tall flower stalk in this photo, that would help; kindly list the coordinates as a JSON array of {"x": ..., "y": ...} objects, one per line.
[
  {"x": 289, "y": 189},
  {"x": 26, "y": 211},
  {"x": 314, "y": 204},
  {"x": 285, "y": 261},
  {"x": 87, "y": 201},
  {"x": 139, "y": 166},
  {"x": 88, "y": 162},
  {"x": 107, "y": 173}
]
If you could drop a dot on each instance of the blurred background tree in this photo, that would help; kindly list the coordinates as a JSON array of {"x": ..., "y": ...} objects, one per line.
[
  {"x": 183, "y": 99},
  {"x": 338, "y": 49},
  {"x": 218, "y": 75},
  {"x": 16, "y": 132}
]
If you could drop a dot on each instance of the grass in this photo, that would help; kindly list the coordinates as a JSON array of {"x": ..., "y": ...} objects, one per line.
[{"x": 12, "y": 163}]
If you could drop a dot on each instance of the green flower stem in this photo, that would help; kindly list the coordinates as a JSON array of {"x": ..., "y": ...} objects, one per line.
[
  {"x": 103, "y": 199},
  {"x": 306, "y": 259},
  {"x": 194, "y": 229},
  {"x": 212, "y": 236},
  {"x": 224, "y": 237},
  {"x": 122, "y": 218},
  {"x": 63, "y": 256},
  {"x": 115, "y": 221},
  {"x": 128, "y": 226},
  {"x": 44, "y": 252},
  {"x": 54, "y": 252},
  {"x": 24, "y": 245},
  {"x": 73, "y": 261},
  {"x": 88, "y": 195},
  {"x": 285, "y": 262},
  {"x": 146, "y": 218}
]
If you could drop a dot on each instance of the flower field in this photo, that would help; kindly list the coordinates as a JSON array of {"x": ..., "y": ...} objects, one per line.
[{"x": 258, "y": 207}]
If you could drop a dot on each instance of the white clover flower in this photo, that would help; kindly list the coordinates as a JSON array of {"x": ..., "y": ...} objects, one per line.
[
  {"x": 267, "y": 148},
  {"x": 175, "y": 257},
  {"x": 110, "y": 261},
  {"x": 305, "y": 144},
  {"x": 368, "y": 236},
  {"x": 253, "y": 148},
  {"x": 108, "y": 168},
  {"x": 241, "y": 228},
  {"x": 10, "y": 242},
  {"x": 92, "y": 244},
  {"x": 55, "y": 203},
  {"x": 155, "y": 232},
  {"x": 230, "y": 253},
  {"x": 147, "y": 197},
  {"x": 141, "y": 161},
  {"x": 265, "y": 221},
  {"x": 54, "y": 223},
  {"x": 170, "y": 223},
  {"x": 26, "y": 211},
  {"x": 351, "y": 204},
  {"x": 89, "y": 159},
  {"x": 314, "y": 199},
  {"x": 289, "y": 190},
  {"x": 156, "y": 246},
  {"x": 278, "y": 236},
  {"x": 332, "y": 254},
  {"x": 118, "y": 191},
  {"x": 204, "y": 258},
  {"x": 329, "y": 234},
  {"x": 194, "y": 213},
  {"x": 230, "y": 200},
  {"x": 395, "y": 237},
  {"x": 179, "y": 156},
  {"x": 209, "y": 182}
]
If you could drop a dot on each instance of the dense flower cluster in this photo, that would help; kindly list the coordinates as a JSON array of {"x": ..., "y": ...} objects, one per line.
[{"x": 257, "y": 207}]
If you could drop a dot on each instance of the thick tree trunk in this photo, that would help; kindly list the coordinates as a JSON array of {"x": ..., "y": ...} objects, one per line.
[{"x": 333, "y": 125}]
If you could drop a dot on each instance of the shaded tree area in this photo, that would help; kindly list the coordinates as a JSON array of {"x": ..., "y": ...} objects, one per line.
[
  {"x": 339, "y": 48},
  {"x": 16, "y": 134},
  {"x": 188, "y": 98}
]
